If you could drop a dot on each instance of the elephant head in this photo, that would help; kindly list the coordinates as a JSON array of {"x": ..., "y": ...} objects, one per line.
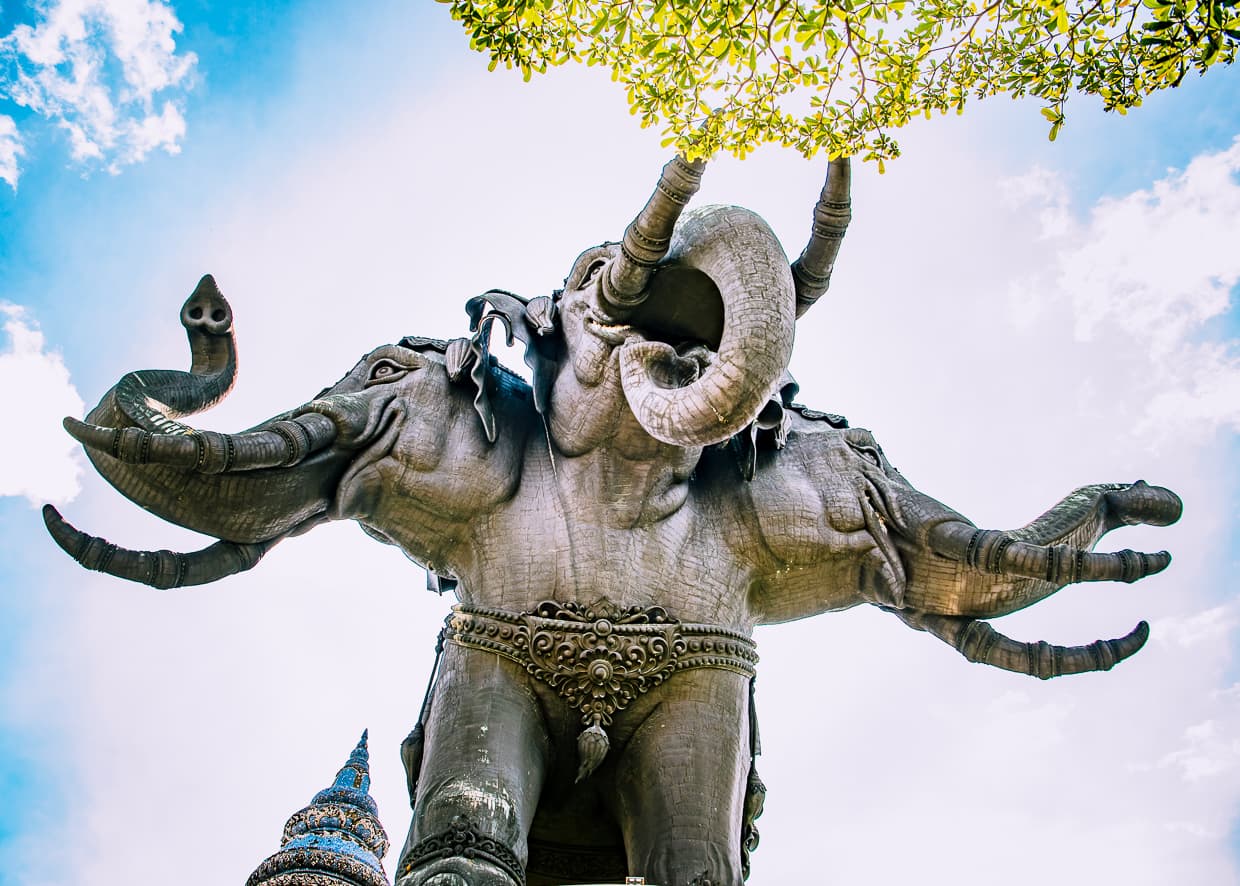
[
  {"x": 909, "y": 554},
  {"x": 400, "y": 410},
  {"x": 679, "y": 333}
]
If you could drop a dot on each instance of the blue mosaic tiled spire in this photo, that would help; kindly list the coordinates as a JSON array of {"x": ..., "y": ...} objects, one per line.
[{"x": 335, "y": 841}]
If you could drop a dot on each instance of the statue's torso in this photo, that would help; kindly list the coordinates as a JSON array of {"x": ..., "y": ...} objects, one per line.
[{"x": 723, "y": 552}]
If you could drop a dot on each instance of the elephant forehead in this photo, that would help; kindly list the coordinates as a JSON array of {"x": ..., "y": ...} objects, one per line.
[
  {"x": 602, "y": 252},
  {"x": 832, "y": 457}
]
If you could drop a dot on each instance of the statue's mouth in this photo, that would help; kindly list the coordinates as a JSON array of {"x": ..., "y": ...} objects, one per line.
[
  {"x": 597, "y": 345},
  {"x": 612, "y": 334},
  {"x": 673, "y": 366}
]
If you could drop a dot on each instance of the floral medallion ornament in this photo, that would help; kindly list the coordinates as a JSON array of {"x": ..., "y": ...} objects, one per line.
[
  {"x": 599, "y": 664},
  {"x": 599, "y": 658}
]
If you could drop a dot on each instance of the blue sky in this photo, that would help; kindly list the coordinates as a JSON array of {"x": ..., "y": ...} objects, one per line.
[{"x": 352, "y": 174}]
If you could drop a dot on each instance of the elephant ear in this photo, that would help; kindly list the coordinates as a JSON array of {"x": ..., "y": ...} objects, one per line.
[
  {"x": 770, "y": 429},
  {"x": 532, "y": 322},
  {"x": 467, "y": 357}
]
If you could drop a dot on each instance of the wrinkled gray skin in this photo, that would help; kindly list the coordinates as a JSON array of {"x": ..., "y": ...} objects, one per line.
[{"x": 590, "y": 500}]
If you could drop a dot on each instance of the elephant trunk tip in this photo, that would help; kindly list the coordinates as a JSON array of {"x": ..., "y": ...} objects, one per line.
[
  {"x": 1141, "y": 503},
  {"x": 68, "y": 538},
  {"x": 206, "y": 309},
  {"x": 51, "y": 516}
]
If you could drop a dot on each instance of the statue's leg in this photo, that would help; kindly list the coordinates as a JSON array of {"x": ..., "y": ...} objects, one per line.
[
  {"x": 486, "y": 755},
  {"x": 681, "y": 780}
]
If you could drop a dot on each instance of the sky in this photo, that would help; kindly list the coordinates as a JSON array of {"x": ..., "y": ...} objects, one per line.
[{"x": 1012, "y": 318}]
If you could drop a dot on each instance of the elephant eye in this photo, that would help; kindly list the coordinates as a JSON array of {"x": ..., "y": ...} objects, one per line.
[
  {"x": 592, "y": 272},
  {"x": 386, "y": 370},
  {"x": 870, "y": 455}
]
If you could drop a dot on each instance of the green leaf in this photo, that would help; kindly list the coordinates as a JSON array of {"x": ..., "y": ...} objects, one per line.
[{"x": 675, "y": 59}]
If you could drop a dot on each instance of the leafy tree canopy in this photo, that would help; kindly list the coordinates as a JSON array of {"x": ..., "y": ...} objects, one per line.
[{"x": 841, "y": 76}]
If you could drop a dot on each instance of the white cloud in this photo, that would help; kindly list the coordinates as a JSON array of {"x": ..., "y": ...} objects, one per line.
[
  {"x": 96, "y": 67},
  {"x": 1150, "y": 269},
  {"x": 1192, "y": 630},
  {"x": 37, "y": 459},
  {"x": 1042, "y": 186},
  {"x": 10, "y": 150},
  {"x": 1158, "y": 263},
  {"x": 1208, "y": 752}
]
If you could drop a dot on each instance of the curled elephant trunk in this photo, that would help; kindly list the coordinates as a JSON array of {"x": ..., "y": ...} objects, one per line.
[
  {"x": 152, "y": 399},
  {"x": 160, "y": 569},
  {"x": 974, "y": 574},
  {"x": 982, "y": 644},
  {"x": 247, "y": 489},
  {"x": 730, "y": 256}
]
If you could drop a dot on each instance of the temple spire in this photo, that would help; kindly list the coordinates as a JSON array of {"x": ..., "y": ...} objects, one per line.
[{"x": 336, "y": 839}]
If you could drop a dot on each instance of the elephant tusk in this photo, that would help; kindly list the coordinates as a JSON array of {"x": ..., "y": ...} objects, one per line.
[
  {"x": 999, "y": 553},
  {"x": 646, "y": 240},
  {"x": 980, "y": 643},
  {"x": 278, "y": 444},
  {"x": 159, "y": 569},
  {"x": 811, "y": 272}
]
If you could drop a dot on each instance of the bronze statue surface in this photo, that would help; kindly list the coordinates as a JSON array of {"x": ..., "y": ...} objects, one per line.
[{"x": 614, "y": 531}]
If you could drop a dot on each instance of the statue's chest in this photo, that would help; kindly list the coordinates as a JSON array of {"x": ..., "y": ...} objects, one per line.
[
  {"x": 552, "y": 552},
  {"x": 798, "y": 510}
]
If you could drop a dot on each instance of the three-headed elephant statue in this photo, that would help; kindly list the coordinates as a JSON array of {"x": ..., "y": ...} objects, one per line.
[{"x": 613, "y": 531}]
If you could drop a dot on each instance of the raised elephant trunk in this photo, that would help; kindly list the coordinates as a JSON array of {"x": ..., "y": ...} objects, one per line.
[
  {"x": 647, "y": 238},
  {"x": 832, "y": 213},
  {"x": 980, "y": 643},
  {"x": 742, "y": 264},
  {"x": 151, "y": 398}
]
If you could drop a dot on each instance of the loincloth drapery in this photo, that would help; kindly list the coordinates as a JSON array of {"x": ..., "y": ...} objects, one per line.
[{"x": 597, "y": 658}]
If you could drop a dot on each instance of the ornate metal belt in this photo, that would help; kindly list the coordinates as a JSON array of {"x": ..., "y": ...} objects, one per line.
[{"x": 600, "y": 659}]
